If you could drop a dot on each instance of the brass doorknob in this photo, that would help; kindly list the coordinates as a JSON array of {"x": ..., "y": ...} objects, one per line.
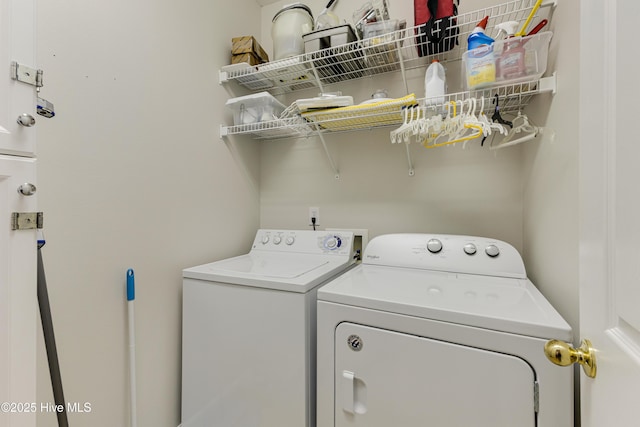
[{"x": 563, "y": 354}]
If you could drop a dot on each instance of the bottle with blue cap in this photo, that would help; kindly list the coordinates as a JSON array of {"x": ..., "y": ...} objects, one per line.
[
  {"x": 479, "y": 59},
  {"x": 478, "y": 37}
]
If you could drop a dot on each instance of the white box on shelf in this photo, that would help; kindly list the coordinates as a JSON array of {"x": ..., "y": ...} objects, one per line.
[{"x": 255, "y": 108}]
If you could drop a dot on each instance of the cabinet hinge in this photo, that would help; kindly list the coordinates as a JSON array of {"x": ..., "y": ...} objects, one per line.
[
  {"x": 536, "y": 396},
  {"x": 26, "y": 220},
  {"x": 25, "y": 74}
]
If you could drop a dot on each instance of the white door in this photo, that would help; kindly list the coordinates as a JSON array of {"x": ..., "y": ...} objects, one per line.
[
  {"x": 610, "y": 210},
  {"x": 18, "y": 299},
  {"x": 18, "y": 251}
]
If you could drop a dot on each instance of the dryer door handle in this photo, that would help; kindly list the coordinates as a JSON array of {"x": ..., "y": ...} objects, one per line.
[
  {"x": 348, "y": 391},
  {"x": 354, "y": 394}
]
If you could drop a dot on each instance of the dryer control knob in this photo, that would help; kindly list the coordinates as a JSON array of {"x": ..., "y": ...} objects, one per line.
[
  {"x": 492, "y": 250},
  {"x": 265, "y": 240},
  {"x": 290, "y": 240},
  {"x": 470, "y": 249},
  {"x": 277, "y": 240},
  {"x": 434, "y": 246}
]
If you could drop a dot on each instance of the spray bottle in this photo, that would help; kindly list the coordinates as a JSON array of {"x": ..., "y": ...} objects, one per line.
[
  {"x": 507, "y": 28},
  {"x": 511, "y": 62}
]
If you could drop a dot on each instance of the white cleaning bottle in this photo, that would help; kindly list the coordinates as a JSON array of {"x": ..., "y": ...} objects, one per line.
[
  {"x": 507, "y": 28},
  {"x": 435, "y": 84}
]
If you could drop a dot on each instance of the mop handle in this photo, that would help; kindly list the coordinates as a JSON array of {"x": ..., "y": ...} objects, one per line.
[
  {"x": 131, "y": 295},
  {"x": 50, "y": 341},
  {"x": 523, "y": 30}
]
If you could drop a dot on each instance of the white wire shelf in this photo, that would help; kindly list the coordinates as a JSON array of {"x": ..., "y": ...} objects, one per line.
[
  {"x": 511, "y": 98},
  {"x": 397, "y": 51},
  {"x": 289, "y": 127}
]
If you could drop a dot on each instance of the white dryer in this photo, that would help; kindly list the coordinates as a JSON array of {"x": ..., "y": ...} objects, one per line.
[
  {"x": 439, "y": 330},
  {"x": 248, "y": 332}
]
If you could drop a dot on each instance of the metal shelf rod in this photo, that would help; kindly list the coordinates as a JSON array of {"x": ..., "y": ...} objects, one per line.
[{"x": 326, "y": 151}]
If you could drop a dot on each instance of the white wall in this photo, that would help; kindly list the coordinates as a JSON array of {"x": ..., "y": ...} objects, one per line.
[
  {"x": 133, "y": 174},
  {"x": 455, "y": 190},
  {"x": 551, "y": 207}
]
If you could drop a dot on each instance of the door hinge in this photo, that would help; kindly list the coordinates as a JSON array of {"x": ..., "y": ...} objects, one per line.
[
  {"x": 26, "y": 220},
  {"x": 536, "y": 396},
  {"x": 25, "y": 74}
]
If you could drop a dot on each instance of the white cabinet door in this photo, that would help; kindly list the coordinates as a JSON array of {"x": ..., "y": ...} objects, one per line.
[
  {"x": 17, "y": 43},
  {"x": 18, "y": 297},
  {"x": 427, "y": 382}
]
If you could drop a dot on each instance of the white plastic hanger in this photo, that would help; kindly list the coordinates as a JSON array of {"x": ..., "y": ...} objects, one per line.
[
  {"x": 520, "y": 124},
  {"x": 396, "y": 134}
]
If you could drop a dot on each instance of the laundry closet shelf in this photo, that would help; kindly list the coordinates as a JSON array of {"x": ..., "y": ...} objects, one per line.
[
  {"x": 512, "y": 98},
  {"x": 393, "y": 52},
  {"x": 292, "y": 127}
]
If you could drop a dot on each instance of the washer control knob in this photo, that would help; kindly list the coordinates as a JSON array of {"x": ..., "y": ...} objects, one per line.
[
  {"x": 265, "y": 239},
  {"x": 492, "y": 250},
  {"x": 470, "y": 249},
  {"x": 434, "y": 246},
  {"x": 277, "y": 240},
  {"x": 290, "y": 240},
  {"x": 332, "y": 242}
]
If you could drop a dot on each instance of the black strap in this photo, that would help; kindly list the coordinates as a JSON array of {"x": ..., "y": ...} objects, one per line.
[
  {"x": 432, "y": 5},
  {"x": 50, "y": 344}
]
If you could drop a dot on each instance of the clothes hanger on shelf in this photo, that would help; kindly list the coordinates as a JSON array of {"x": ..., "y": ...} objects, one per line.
[{"x": 520, "y": 124}]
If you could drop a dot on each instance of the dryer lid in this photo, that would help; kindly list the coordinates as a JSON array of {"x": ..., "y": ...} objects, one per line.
[{"x": 496, "y": 303}]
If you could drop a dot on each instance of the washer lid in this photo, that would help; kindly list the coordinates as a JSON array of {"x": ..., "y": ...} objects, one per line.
[
  {"x": 283, "y": 271},
  {"x": 497, "y": 303},
  {"x": 268, "y": 266}
]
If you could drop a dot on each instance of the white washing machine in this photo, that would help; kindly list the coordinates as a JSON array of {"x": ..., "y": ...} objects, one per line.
[
  {"x": 439, "y": 330},
  {"x": 248, "y": 332}
]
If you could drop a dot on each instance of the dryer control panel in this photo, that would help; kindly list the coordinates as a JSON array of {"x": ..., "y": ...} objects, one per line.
[
  {"x": 304, "y": 241},
  {"x": 445, "y": 252}
]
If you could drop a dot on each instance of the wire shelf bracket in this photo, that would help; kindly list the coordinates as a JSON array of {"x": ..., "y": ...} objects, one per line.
[{"x": 326, "y": 152}]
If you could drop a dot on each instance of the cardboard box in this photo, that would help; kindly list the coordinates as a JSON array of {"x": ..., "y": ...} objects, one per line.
[
  {"x": 249, "y": 58},
  {"x": 248, "y": 44}
]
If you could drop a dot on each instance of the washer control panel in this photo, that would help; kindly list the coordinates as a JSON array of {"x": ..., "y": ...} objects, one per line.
[
  {"x": 304, "y": 241},
  {"x": 452, "y": 253}
]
